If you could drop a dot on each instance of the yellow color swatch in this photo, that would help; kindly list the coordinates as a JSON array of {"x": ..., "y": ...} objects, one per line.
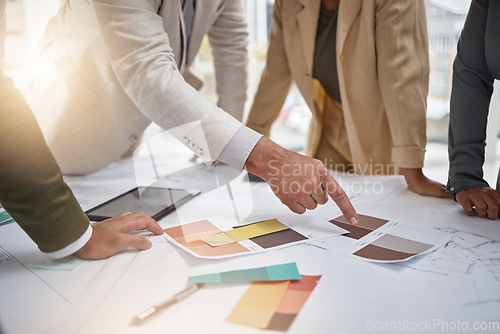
[
  {"x": 255, "y": 230},
  {"x": 219, "y": 239},
  {"x": 245, "y": 232},
  {"x": 259, "y": 303}
]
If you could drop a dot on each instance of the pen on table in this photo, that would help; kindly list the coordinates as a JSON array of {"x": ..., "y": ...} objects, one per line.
[{"x": 146, "y": 314}]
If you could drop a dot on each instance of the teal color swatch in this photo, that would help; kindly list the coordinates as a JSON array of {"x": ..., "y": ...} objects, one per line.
[
  {"x": 67, "y": 263},
  {"x": 280, "y": 272},
  {"x": 5, "y": 217}
]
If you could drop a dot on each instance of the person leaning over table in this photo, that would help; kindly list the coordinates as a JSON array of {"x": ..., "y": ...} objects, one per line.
[
  {"x": 34, "y": 193},
  {"x": 105, "y": 69},
  {"x": 363, "y": 69},
  {"x": 133, "y": 54},
  {"x": 476, "y": 66}
]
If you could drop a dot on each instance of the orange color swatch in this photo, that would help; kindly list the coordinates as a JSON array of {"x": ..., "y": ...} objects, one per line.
[
  {"x": 189, "y": 236},
  {"x": 273, "y": 305}
]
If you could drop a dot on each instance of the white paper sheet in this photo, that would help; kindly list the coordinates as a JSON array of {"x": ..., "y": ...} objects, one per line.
[
  {"x": 457, "y": 282},
  {"x": 309, "y": 228},
  {"x": 394, "y": 241}
]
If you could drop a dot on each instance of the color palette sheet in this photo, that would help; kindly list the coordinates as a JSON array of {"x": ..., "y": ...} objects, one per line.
[
  {"x": 280, "y": 272},
  {"x": 382, "y": 240},
  {"x": 190, "y": 237},
  {"x": 273, "y": 305},
  {"x": 245, "y": 232}
]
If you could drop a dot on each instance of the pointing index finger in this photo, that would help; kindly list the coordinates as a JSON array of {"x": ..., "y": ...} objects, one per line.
[{"x": 339, "y": 196}]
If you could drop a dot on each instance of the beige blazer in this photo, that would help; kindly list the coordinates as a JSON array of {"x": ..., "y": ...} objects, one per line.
[
  {"x": 106, "y": 68},
  {"x": 383, "y": 68}
]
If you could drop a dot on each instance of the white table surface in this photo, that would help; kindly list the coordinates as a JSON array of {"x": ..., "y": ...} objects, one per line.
[{"x": 454, "y": 287}]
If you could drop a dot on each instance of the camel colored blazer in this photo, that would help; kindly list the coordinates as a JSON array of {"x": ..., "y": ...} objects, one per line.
[
  {"x": 383, "y": 68},
  {"x": 107, "y": 68}
]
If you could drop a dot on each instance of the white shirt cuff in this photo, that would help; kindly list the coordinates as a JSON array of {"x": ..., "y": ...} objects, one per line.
[
  {"x": 73, "y": 247},
  {"x": 238, "y": 149}
]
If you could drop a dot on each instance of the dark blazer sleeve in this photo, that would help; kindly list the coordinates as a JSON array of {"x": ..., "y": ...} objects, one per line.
[
  {"x": 469, "y": 104},
  {"x": 32, "y": 189}
]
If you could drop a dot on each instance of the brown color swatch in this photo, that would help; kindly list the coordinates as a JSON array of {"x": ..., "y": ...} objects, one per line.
[
  {"x": 355, "y": 232},
  {"x": 281, "y": 322},
  {"x": 368, "y": 222},
  {"x": 373, "y": 252},
  {"x": 278, "y": 238}
]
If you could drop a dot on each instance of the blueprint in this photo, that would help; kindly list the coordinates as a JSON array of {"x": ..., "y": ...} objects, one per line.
[{"x": 469, "y": 257}]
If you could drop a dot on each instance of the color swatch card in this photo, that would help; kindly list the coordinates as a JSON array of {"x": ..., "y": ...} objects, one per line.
[
  {"x": 273, "y": 305},
  {"x": 280, "y": 272},
  {"x": 245, "y": 232},
  {"x": 382, "y": 240},
  {"x": 205, "y": 239},
  {"x": 5, "y": 218},
  {"x": 68, "y": 263}
]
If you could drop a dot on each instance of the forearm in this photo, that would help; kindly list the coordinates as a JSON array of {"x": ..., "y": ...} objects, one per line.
[
  {"x": 228, "y": 38},
  {"x": 268, "y": 101},
  {"x": 275, "y": 81},
  {"x": 469, "y": 104},
  {"x": 32, "y": 189},
  {"x": 144, "y": 64},
  {"x": 417, "y": 182},
  {"x": 403, "y": 72},
  {"x": 264, "y": 160}
]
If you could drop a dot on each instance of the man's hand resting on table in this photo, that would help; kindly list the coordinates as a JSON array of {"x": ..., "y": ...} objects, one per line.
[
  {"x": 484, "y": 199},
  {"x": 420, "y": 184},
  {"x": 300, "y": 182},
  {"x": 111, "y": 236}
]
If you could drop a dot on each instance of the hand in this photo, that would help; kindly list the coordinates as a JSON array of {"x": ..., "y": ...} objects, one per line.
[
  {"x": 420, "y": 184},
  {"x": 110, "y": 236},
  {"x": 298, "y": 181},
  {"x": 484, "y": 199},
  {"x": 194, "y": 158}
]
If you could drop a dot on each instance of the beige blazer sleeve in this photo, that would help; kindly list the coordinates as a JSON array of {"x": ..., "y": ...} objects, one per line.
[
  {"x": 143, "y": 61},
  {"x": 275, "y": 81},
  {"x": 228, "y": 38},
  {"x": 403, "y": 74}
]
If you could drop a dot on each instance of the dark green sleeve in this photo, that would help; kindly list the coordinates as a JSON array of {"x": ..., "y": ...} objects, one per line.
[
  {"x": 470, "y": 101},
  {"x": 32, "y": 189}
]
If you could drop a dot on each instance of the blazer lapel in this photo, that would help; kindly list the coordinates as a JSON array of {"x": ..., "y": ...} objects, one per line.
[
  {"x": 348, "y": 11},
  {"x": 307, "y": 19}
]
